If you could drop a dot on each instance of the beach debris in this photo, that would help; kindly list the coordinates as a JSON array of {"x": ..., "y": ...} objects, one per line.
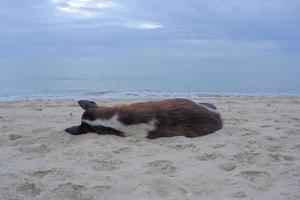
[{"x": 227, "y": 166}]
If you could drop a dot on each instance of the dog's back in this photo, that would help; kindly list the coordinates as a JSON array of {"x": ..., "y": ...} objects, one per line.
[{"x": 173, "y": 117}]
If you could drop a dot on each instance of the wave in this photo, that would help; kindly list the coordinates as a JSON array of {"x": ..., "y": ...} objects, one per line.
[{"x": 138, "y": 95}]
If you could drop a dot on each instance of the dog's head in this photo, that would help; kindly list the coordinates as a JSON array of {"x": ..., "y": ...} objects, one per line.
[
  {"x": 92, "y": 112},
  {"x": 88, "y": 107}
]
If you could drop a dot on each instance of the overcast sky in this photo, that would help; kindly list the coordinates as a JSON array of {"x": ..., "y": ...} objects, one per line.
[{"x": 174, "y": 28}]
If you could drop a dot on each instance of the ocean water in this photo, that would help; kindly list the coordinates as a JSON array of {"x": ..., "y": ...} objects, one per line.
[{"x": 138, "y": 78}]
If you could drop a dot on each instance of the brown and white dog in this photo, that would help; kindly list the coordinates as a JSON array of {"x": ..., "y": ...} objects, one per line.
[{"x": 152, "y": 119}]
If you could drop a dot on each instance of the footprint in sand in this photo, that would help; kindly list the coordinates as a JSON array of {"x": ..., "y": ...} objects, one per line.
[
  {"x": 239, "y": 194},
  {"x": 259, "y": 180},
  {"x": 293, "y": 132},
  {"x": 102, "y": 188},
  {"x": 53, "y": 172},
  {"x": 246, "y": 157},
  {"x": 269, "y": 137},
  {"x": 71, "y": 191},
  {"x": 106, "y": 164},
  {"x": 181, "y": 147},
  {"x": 279, "y": 157},
  {"x": 42, "y": 172},
  {"x": 164, "y": 187},
  {"x": 207, "y": 156},
  {"x": 161, "y": 186},
  {"x": 297, "y": 146},
  {"x": 247, "y": 132},
  {"x": 161, "y": 167},
  {"x": 121, "y": 150},
  {"x": 14, "y": 136},
  {"x": 29, "y": 188},
  {"x": 40, "y": 149},
  {"x": 218, "y": 146},
  {"x": 266, "y": 126},
  {"x": 274, "y": 148}
]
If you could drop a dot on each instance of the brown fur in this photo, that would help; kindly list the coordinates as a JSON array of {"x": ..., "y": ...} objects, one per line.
[{"x": 175, "y": 117}]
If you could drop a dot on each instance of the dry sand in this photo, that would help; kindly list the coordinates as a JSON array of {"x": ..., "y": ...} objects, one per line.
[{"x": 255, "y": 156}]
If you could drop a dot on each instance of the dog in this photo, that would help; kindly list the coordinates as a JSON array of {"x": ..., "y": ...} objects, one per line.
[{"x": 152, "y": 119}]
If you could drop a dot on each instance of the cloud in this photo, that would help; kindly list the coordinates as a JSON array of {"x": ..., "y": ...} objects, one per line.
[
  {"x": 77, "y": 12},
  {"x": 111, "y": 13},
  {"x": 84, "y": 8},
  {"x": 145, "y": 25},
  {"x": 91, "y": 4}
]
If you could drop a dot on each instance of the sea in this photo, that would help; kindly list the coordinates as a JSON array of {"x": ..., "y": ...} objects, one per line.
[{"x": 139, "y": 78}]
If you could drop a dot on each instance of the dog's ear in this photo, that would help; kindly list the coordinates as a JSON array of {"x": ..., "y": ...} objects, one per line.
[{"x": 86, "y": 105}]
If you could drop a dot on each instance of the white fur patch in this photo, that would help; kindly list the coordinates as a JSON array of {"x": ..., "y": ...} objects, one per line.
[
  {"x": 208, "y": 108},
  {"x": 141, "y": 129}
]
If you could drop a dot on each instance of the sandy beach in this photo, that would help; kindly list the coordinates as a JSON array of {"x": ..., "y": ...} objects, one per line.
[{"x": 255, "y": 156}]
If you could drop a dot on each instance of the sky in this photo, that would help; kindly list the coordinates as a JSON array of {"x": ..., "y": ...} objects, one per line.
[{"x": 149, "y": 28}]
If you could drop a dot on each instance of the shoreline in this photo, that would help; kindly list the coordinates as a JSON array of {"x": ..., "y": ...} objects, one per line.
[
  {"x": 143, "y": 95},
  {"x": 143, "y": 98}
]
